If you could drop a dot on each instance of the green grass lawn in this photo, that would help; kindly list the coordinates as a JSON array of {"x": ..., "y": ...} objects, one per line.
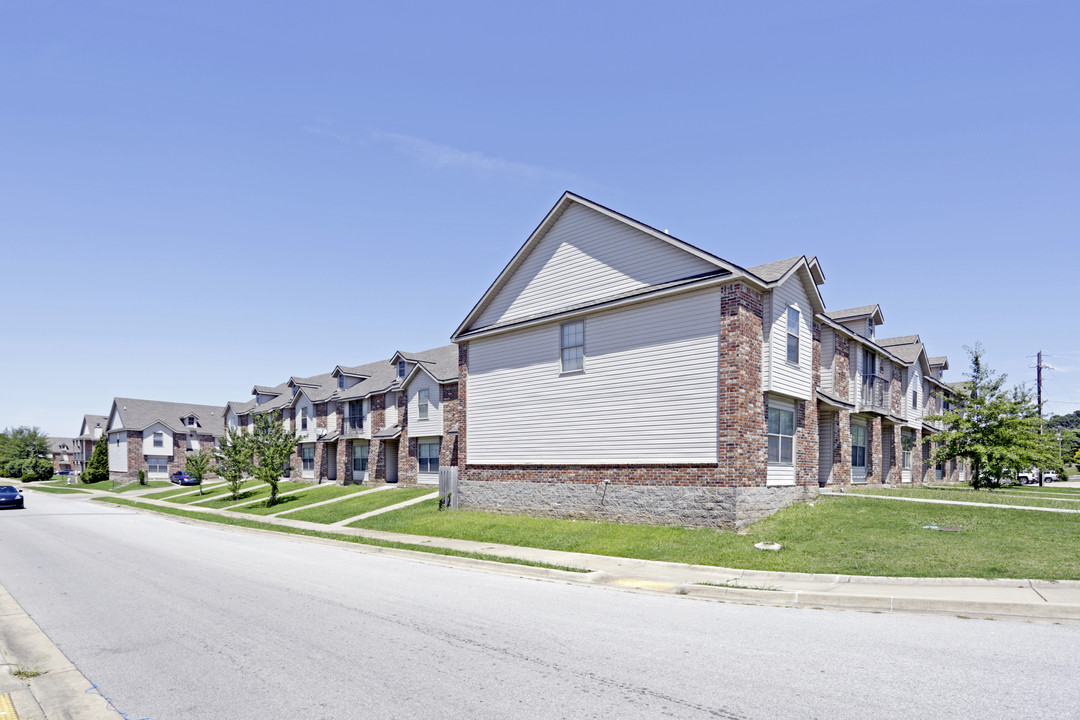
[
  {"x": 365, "y": 502},
  {"x": 208, "y": 487},
  {"x": 1001, "y": 496},
  {"x": 217, "y": 492},
  {"x": 62, "y": 482},
  {"x": 150, "y": 484},
  {"x": 224, "y": 501},
  {"x": 58, "y": 490},
  {"x": 316, "y": 494},
  {"x": 243, "y": 522},
  {"x": 848, "y": 535}
]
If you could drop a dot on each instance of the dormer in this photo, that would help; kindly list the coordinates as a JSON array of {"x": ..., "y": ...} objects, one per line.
[
  {"x": 862, "y": 320},
  {"x": 938, "y": 366},
  {"x": 347, "y": 377}
]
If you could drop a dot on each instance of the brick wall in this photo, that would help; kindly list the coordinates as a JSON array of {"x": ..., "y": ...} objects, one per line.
[
  {"x": 874, "y": 469},
  {"x": 742, "y": 423},
  {"x": 842, "y": 368}
]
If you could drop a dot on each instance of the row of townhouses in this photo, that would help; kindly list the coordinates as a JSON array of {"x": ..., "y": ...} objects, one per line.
[{"x": 610, "y": 371}]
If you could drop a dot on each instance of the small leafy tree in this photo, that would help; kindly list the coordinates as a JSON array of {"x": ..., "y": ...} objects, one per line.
[
  {"x": 271, "y": 446},
  {"x": 25, "y": 453},
  {"x": 198, "y": 465},
  {"x": 97, "y": 467},
  {"x": 234, "y": 459},
  {"x": 995, "y": 430}
]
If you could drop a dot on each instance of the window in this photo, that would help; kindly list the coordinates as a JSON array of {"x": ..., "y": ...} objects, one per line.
[
  {"x": 869, "y": 365},
  {"x": 401, "y": 368},
  {"x": 303, "y": 418},
  {"x": 793, "y": 336},
  {"x": 191, "y": 420},
  {"x": 159, "y": 439},
  {"x": 360, "y": 457},
  {"x": 781, "y": 436},
  {"x": 422, "y": 404},
  {"x": 573, "y": 346},
  {"x": 356, "y": 415},
  {"x": 428, "y": 452},
  {"x": 907, "y": 442},
  {"x": 157, "y": 464},
  {"x": 858, "y": 446},
  {"x": 341, "y": 382},
  {"x": 307, "y": 455},
  {"x": 914, "y": 399},
  {"x": 870, "y": 328}
]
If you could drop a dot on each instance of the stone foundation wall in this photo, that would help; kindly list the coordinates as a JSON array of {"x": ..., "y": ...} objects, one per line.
[{"x": 729, "y": 507}]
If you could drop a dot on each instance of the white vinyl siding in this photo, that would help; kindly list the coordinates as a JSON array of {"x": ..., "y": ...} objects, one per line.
[
  {"x": 781, "y": 376},
  {"x": 391, "y": 409},
  {"x": 913, "y": 402},
  {"x": 649, "y": 394},
  {"x": 828, "y": 360},
  {"x": 331, "y": 417},
  {"x": 422, "y": 382},
  {"x": 304, "y": 409},
  {"x": 150, "y": 436},
  {"x": 587, "y": 256},
  {"x": 118, "y": 458},
  {"x": 781, "y": 442}
]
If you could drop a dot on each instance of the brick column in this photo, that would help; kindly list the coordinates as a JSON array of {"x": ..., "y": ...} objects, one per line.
[
  {"x": 461, "y": 445},
  {"x": 742, "y": 428},
  {"x": 874, "y": 470},
  {"x": 842, "y": 447}
]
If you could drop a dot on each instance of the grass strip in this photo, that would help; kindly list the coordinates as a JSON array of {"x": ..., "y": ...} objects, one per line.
[
  {"x": 362, "y": 503},
  {"x": 995, "y": 497},
  {"x": 58, "y": 490},
  {"x": 843, "y": 535},
  {"x": 221, "y": 491},
  {"x": 136, "y": 486},
  {"x": 227, "y": 500},
  {"x": 257, "y": 525},
  {"x": 316, "y": 494},
  {"x": 62, "y": 482},
  {"x": 186, "y": 489}
]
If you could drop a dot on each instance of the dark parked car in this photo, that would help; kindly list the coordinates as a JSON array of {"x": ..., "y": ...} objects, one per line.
[
  {"x": 10, "y": 497},
  {"x": 64, "y": 472},
  {"x": 183, "y": 477}
]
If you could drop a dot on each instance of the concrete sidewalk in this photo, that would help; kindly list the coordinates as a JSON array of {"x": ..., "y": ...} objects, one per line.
[{"x": 1041, "y": 600}]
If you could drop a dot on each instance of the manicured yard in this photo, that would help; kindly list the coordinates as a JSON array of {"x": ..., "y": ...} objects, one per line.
[
  {"x": 848, "y": 535},
  {"x": 224, "y": 501},
  {"x": 316, "y": 494},
  {"x": 57, "y": 490},
  {"x": 62, "y": 482},
  {"x": 362, "y": 503},
  {"x": 208, "y": 488},
  {"x": 216, "y": 492},
  {"x": 1000, "y": 496},
  {"x": 136, "y": 486}
]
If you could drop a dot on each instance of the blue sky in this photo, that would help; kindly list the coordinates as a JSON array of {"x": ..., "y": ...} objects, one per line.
[{"x": 197, "y": 197}]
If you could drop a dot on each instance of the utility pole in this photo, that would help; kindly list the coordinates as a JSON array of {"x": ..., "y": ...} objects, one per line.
[{"x": 1038, "y": 384}]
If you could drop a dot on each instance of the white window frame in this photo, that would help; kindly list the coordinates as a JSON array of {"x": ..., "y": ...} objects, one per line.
[
  {"x": 361, "y": 453},
  {"x": 303, "y": 418},
  {"x": 341, "y": 382},
  {"x": 423, "y": 404},
  {"x": 307, "y": 458},
  {"x": 907, "y": 447},
  {"x": 159, "y": 439},
  {"x": 793, "y": 317},
  {"x": 401, "y": 367},
  {"x": 776, "y": 431},
  {"x": 154, "y": 464},
  {"x": 572, "y": 346},
  {"x": 864, "y": 446},
  {"x": 428, "y": 463}
]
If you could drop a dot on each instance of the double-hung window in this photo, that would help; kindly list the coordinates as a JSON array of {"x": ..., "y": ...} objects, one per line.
[
  {"x": 356, "y": 415},
  {"x": 572, "y": 344},
  {"x": 401, "y": 369},
  {"x": 428, "y": 455},
  {"x": 422, "y": 404},
  {"x": 303, "y": 418},
  {"x": 781, "y": 436},
  {"x": 307, "y": 455},
  {"x": 157, "y": 464},
  {"x": 159, "y": 439},
  {"x": 858, "y": 446},
  {"x": 914, "y": 399},
  {"x": 360, "y": 457},
  {"x": 793, "y": 336},
  {"x": 341, "y": 382},
  {"x": 907, "y": 442}
]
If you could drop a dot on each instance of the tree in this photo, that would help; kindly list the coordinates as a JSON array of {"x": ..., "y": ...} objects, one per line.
[
  {"x": 199, "y": 464},
  {"x": 995, "y": 430},
  {"x": 234, "y": 459},
  {"x": 97, "y": 467},
  {"x": 272, "y": 446},
  {"x": 25, "y": 453}
]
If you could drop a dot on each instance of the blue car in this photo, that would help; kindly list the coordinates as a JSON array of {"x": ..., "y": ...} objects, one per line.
[
  {"x": 183, "y": 477},
  {"x": 10, "y": 497}
]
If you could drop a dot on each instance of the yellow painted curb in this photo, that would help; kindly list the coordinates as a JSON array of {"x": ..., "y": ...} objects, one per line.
[{"x": 7, "y": 710}]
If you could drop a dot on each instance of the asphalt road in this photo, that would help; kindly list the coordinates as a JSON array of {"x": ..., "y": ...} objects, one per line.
[{"x": 176, "y": 621}]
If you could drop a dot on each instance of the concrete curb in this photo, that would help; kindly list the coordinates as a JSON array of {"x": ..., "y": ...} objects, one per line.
[{"x": 60, "y": 692}]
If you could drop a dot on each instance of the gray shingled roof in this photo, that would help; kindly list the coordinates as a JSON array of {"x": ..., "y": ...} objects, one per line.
[
  {"x": 861, "y": 311},
  {"x": 441, "y": 362},
  {"x": 59, "y": 444},
  {"x": 771, "y": 272},
  {"x": 139, "y": 414},
  {"x": 905, "y": 347},
  {"x": 939, "y": 360},
  {"x": 898, "y": 340},
  {"x": 92, "y": 421}
]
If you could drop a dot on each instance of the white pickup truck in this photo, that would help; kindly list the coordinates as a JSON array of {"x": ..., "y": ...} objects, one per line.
[{"x": 1032, "y": 476}]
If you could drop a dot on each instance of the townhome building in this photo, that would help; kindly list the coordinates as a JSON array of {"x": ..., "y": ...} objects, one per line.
[
  {"x": 613, "y": 371},
  {"x": 156, "y": 436},
  {"x": 382, "y": 422},
  {"x": 90, "y": 432},
  {"x": 62, "y": 452}
]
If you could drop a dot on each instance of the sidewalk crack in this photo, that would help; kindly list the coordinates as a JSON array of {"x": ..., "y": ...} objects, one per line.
[{"x": 1032, "y": 586}]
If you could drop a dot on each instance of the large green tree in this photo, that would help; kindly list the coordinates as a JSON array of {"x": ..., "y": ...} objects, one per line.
[
  {"x": 97, "y": 467},
  {"x": 234, "y": 459},
  {"x": 996, "y": 430},
  {"x": 198, "y": 464},
  {"x": 25, "y": 453},
  {"x": 271, "y": 446}
]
